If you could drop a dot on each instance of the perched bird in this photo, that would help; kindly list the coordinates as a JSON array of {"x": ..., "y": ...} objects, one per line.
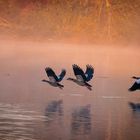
[
  {"x": 53, "y": 79},
  {"x": 81, "y": 77},
  {"x": 136, "y": 85}
]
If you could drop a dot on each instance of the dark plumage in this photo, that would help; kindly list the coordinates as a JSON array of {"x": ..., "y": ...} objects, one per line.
[
  {"x": 134, "y": 77},
  {"x": 89, "y": 72},
  {"x": 81, "y": 77},
  {"x": 53, "y": 78},
  {"x": 136, "y": 85}
]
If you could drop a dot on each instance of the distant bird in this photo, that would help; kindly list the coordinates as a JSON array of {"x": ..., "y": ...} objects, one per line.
[
  {"x": 53, "y": 79},
  {"x": 136, "y": 85},
  {"x": 81, "y": 77}
]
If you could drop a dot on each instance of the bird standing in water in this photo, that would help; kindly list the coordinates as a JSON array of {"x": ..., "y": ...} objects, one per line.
[
  {"x": 81, "y": 77},
  {"x": 136, "y": 85},
  {"x": 53, "y": 78}
]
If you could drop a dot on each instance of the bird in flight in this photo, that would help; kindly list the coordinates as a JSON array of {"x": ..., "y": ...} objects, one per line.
[
  {"x": 53, "y": 78},
  {"x": 82, "y": 77},
  {"x": 136, "y": 85}
]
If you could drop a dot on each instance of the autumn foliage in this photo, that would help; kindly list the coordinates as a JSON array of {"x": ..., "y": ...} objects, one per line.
[{"x": 82, "y": 20}]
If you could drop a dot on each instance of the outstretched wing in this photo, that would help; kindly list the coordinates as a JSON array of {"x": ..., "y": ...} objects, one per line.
[
  {"x": 79, "y": 73},
  {"x": 62, "y": 75},
  {"x": 134, "y": 87},
  {"x": 89, "y": 72},
  {"x": 51, "y": 74}
]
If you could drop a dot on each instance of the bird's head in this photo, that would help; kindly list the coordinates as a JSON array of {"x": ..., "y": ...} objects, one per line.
[{"x": 134, "y": 77}]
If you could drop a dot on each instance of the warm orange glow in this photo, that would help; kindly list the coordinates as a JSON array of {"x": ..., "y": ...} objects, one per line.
[{"x": 82, "y": 20}]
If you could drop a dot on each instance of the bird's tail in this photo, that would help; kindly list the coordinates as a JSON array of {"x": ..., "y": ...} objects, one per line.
[
  {"x": 60, "y": 86},
  {"x": 88, "y": 86},
  {"x": 62, "y": 75}
]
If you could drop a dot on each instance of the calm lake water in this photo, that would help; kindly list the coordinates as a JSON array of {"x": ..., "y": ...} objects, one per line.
[{"x": 33, "y": 110}]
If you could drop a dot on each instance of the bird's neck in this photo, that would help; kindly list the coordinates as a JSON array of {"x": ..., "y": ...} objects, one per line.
[
  {"x": 136, "y": 77},
  {"x": 46, "y": 81}
]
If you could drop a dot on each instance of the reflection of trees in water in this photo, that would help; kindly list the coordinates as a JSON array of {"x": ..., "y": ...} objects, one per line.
[
  {"x": 54, "y": 110},
  {"x": 81, "y": 121}
]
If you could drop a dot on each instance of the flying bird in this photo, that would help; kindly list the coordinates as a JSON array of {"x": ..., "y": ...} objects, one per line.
[
  {"x": 53, "y": 78},
  {"x": 136, "y": 85},
  {"x": 82, "y": 77}
]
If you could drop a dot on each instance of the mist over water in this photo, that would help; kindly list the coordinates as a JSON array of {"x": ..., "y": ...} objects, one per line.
[
  {"x": 33, "y": 110},
  {"x": 58, "y": 34}
]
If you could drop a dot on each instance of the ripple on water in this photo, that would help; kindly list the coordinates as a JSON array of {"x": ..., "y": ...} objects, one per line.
[{"x": 17, "y": 123}]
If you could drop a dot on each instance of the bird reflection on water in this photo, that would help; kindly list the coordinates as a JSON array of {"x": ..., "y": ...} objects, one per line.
[
  {"x": 134, "y": 106},
  {"x": 81, "y": 121},
  {"x": 54, "y": 110}
]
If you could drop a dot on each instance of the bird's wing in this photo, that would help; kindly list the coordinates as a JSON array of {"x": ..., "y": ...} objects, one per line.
[
  {"x": 79, "y": 73},
  {"x": 51, "y": 74},
  {"x": 62, "y": 74},
  {"x": 134, "y": 87},
  {"x": 89, "y": 72},
  {"x": 138, "y": 81}
]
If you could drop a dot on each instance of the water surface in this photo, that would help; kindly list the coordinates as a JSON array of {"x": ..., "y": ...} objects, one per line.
[{"x": 33, "y": 110}]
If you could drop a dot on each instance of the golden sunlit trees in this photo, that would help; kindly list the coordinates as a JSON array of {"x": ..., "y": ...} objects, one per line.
[{"x": 98, "y": 20}]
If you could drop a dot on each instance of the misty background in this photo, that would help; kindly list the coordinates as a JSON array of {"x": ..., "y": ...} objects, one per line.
[{"x": 94, "y": 21}]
